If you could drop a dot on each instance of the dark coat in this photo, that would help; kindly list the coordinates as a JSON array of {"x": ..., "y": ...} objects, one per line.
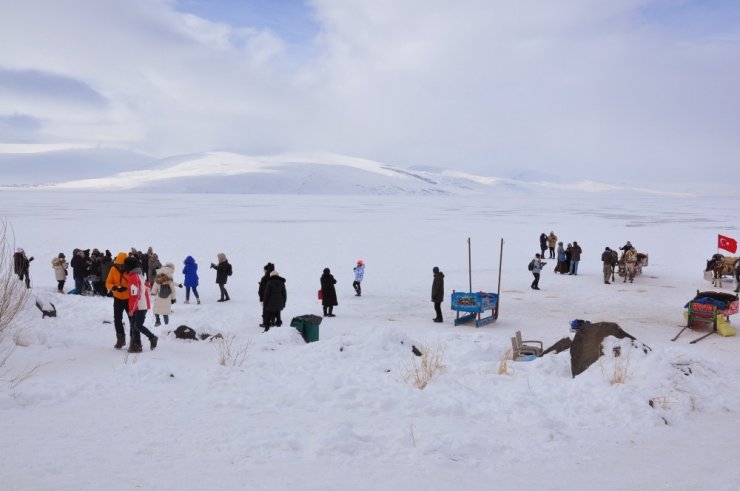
[
  {"x": 438, "y": 287},
  {"x": 575, "y": 253},
  {"x": 79, "y": 266},
  {"x": 328, "y": 292},
  {"x": 222, "y": 272},
  {"x": 275, "y": 294},
  {"x": 269, "y": 268},
  {"x": 21, "y": 263},
  {"x": 543, "y": 242}
]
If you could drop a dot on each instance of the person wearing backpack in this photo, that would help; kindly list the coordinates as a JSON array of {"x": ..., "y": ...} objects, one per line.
[
  {"x": 535, "y": 266},
  {"x": 223, "y": 271},
  {"x": 139, "y": 302},
  {"x": 164, "y": 293}
]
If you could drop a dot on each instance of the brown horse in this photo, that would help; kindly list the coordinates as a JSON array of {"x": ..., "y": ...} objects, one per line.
[{"x": 717, "y": 266}]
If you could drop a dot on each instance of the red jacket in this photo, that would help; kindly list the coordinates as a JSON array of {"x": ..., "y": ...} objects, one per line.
[{"x": 138, "y": 293}]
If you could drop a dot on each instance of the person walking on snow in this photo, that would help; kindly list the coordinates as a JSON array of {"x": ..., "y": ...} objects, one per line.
[
  {"x": 190, "y": 271},
  {"x": 359, "y": 276},
  {"x": 60, "y": 266},
  {"x": 328, "y": 293},
  {"x": 164, "y": 293},
  {"x": 269, "y": 268},
  {"x": 438, "y": 293},
  {"x": 139, "y": 302},
  {"x": 537, "y": 266},
  {"x": 223, "y": 271},
  {"x": 117, "y": 284}
]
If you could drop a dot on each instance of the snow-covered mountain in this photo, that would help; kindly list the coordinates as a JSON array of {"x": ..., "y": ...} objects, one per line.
[
  {"x": 31, "y": 165},
  {"x": 292, "y": 173}
]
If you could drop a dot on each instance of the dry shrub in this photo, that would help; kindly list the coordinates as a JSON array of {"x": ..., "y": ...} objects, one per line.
[
  {"x": 228, "y": 353},
  {"x": 503, "y": 364},
  {"x": 13, "y": 293},
  {"x": 422, "y": 369},
  {"x": 620, "y": 371}
]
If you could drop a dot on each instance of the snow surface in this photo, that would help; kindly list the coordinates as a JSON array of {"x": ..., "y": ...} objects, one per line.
[{"x": 336, "y": 414}]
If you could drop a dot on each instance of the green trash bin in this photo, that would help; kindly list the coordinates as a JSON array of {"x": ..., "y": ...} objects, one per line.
[{"x": 308, "y": 326}]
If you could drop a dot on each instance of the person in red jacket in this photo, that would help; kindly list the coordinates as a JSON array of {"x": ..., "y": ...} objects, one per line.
[{"x": 139, "y": 302}]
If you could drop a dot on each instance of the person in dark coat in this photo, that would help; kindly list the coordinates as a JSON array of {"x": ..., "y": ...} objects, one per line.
[
  {"x": 269, "y": 268},
  {"x": 275, "y": 299},
  {"x": 543, "y": 244},
  {"x": 328, "y": 293},
  {"x": 22, "y": 264},
  {"x": 80, "y": 264},
  {"x": 223, "y": 271},
  {"x": 438, "y": 293},
  {"x": 575, "y": 258}
]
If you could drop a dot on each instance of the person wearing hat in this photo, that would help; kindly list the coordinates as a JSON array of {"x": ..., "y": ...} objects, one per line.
[
  {"x": 359, "y": 276},
  {"x": 328, "y": 293},
  {"x": 60, "y": 266},
  {"x": 22, "y": 264},
  {"x": 267, "y": 269},
  {"x": 438, "y": 293},
  {"x": 139, "y": 302},
  {"x": 275, "y": 299},
  {"x": 117, "y": 283}
]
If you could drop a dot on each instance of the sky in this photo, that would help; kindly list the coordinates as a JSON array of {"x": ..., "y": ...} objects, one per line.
[{"x": 629, "y": 90}]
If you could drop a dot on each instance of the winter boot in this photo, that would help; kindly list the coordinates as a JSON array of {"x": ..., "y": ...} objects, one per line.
[
  {"x": 152, "y": 342},
  {"x": 197, "y": 300},
  {"x": 157, "y": 322},
  {"x": 120, "y": 341},
  {"x": 134, "y": 348}
]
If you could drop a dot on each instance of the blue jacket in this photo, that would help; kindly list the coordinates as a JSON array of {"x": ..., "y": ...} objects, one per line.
[{"x": 190, "y": 271}]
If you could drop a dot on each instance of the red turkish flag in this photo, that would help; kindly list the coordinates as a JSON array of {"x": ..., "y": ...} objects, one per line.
[{"x": 727, "y": 243}]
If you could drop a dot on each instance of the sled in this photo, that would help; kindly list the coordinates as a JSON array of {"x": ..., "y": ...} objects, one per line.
[
  {"x": 475, "y": 306},
  {"x": 642, "y": 261},
  {"x": 702, "y": 315}
]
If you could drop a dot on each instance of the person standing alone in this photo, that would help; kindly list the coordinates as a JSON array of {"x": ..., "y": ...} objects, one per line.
[
  {"x": 359, "y": 276},
  {"x": 223, "y": 271},
  {"x": 438, "y": 293},
  {"x": 328, "y": 293}
]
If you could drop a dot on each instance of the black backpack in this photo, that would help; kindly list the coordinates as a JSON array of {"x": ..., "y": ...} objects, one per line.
[
  {"x": 531, "y": 265},
  {"x": 165, "y": 290},
  {"x": 229, "y": 270}
]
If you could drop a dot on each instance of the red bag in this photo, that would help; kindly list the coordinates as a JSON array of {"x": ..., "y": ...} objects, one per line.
[{"x": 321, "y": 294}]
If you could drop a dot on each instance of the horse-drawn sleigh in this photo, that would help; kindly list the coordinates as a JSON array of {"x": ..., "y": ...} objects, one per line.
[
  {"x": 631, "y": 264},
  {"x": 720, "y": 266}
]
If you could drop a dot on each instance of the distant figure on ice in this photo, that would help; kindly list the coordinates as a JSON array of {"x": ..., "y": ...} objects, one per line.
[
  {"x": 359, "y": 276},
  {"x": 60, "y": 266},
  {"x": 438, "y": 293},
  {"x": 328, "y": 293},
  {"x": 543, "y": 243},
  {"x": 190, "y": 271},
  {"x": 22, "y": 265},
  {"x": 223, "y": 271},
  {"x": 164, "y": 293},
  {"x": 536, "y": 267},
  {"x": 117, "y": 284},
  {"x": 575, "y": 258},
  {"x": 139, "y": 302},
  {"x": 275, "y": 299},
  {"x": 552, "y": 241}
]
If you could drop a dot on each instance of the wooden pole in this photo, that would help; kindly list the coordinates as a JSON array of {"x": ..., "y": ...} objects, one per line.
[
  {"x": 470, "y": 269},
  {"x": 500, "y": 259}
]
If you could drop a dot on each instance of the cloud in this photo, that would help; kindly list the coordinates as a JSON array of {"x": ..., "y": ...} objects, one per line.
[{"x": 579, "y": 88}]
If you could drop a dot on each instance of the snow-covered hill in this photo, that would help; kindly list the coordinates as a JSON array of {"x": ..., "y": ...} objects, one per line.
[{"x": 315, "y": 173}]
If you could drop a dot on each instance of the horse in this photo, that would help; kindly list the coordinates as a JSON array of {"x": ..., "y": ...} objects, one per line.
[{"x": 717, "y": 266}]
